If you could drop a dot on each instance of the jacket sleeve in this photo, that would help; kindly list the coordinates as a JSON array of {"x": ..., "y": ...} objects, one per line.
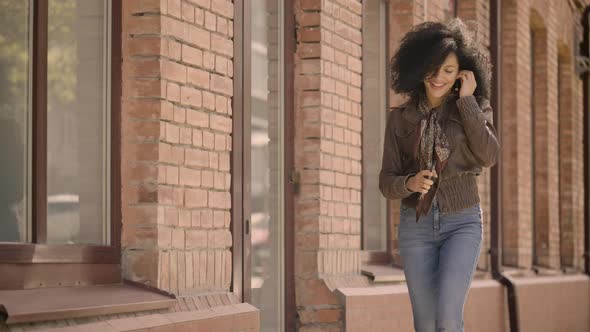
[
  {"x": 481, "y": 133},
  {"x": 391, "y": 182}
]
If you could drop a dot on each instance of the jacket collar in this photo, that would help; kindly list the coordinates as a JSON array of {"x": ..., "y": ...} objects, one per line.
[{"x": 412, "y": 114}]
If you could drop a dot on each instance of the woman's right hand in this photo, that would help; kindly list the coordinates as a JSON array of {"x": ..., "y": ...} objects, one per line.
[{"x": 421, "y": 182}]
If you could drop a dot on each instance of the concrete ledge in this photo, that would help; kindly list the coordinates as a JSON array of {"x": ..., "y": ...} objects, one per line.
[
  {"x": 545, "y": 303},
  {"x": 42, "y": 304},
  {"x": 388, "y": 308},
  {"x": 237, "y": 317},
  {"x": 555, "y": 303}
]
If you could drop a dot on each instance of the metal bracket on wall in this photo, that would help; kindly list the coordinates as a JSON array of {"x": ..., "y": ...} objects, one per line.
[
  {"x": 294, "y": 179},
  {"x": 582, "y": 64}
]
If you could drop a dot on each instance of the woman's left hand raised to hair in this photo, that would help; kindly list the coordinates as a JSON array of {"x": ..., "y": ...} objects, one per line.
[{"x": 468, "y": 83}]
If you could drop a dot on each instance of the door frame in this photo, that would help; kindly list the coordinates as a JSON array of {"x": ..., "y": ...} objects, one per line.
[
  {"x": 237, "y": 164},
  {"x": 241, "y": 158},
  {"x": 289, "y": 44}
]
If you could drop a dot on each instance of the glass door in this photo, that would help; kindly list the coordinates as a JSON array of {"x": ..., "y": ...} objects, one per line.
[{"x": 266, "y": 161}]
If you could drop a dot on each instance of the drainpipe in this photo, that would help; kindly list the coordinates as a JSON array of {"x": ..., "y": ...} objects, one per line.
[
  {"x": 3, "y": 314},
  {"x": 496, "y": 171},
  {"x": 585, "y": 53}
]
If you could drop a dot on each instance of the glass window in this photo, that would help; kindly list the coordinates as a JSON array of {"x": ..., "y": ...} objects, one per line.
[
  {"x": 374, "y": 117},
  {"x": 449, "y": 9},
  {"x": 15, "y": 73},
  {"x": 77, "y": 118},
  {"x": 266, "y": 167}
]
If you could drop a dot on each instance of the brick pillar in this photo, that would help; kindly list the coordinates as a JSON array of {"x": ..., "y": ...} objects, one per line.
[
  {"x": 327, "y": 153},
  {"x": 579, "y": 191},
  {"x": 546, "y": 176},
  {"x": 566, "y": 157},
  {"x": 571, "y": 143},
  {"x": 516, "y": 129},
  {"x": 578, "y": 139},
  {"x": 577, "y": 95},
  {"x": 176, "y": 140}
]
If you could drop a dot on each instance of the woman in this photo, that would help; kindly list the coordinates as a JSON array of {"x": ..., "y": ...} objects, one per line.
[{"x": 435, "y": 146}]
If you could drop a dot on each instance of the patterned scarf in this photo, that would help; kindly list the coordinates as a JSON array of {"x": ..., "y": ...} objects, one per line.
[
  {"x": 431, "y": 149},
  {"x": 433, "y": 141}
]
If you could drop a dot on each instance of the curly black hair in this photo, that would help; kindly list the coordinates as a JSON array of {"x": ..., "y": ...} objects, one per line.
[{"x": 424, "y": 49}]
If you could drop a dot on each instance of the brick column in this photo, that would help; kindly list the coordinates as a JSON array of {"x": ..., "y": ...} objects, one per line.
[
  {"x": 516, "y": 128},
  {"x": 578, "y": 173},
  {"x": 571, "y": 155},
  {"x": 577, "y": 136},
  {"x": 546, "y": 176},
  {"x": 579, "y": 191},
  {"x": 327, "y": 153},
  {"x": 176, "y": 140},
  {"x": 566, "y": 158}
]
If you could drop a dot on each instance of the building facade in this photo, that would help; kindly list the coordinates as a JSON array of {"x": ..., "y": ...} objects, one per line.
[{"x": 212, "y": 165}]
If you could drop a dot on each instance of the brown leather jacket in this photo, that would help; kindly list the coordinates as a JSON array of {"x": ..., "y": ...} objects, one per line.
[{"x": 474, "y": 145}]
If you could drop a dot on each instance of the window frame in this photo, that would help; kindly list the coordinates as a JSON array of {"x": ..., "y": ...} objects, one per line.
[
  {"x": 534, "y": 39},
  {"x": 83, "y": 257},
  {"x": 369, "y": 256}
]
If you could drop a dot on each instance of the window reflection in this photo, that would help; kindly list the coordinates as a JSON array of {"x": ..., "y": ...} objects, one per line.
[
  {"x": 266, "y": 168},
  {"x": 374, "y": 118},
  {"x": 449, "y": 9},
  {"x": 77, "y": 121},
  {"x": 15, "y": 55}
]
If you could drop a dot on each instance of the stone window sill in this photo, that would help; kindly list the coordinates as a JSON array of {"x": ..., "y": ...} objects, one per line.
[{"x": 33, "y": 305}]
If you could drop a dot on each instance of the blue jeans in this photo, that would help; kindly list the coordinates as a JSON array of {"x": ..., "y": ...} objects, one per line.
[{"x": 439, "y": 255}]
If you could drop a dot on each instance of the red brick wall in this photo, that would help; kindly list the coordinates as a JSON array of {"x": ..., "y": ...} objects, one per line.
[
  {"x": 177, "y": 89},
  {"x": 516, "y": 138},
  {"x": 567, "y": 158},
  {"x": 571, "y": 144},
  {"x": 570, "y": 122},
  {"x": 515, "y": 92},
  {"x": 545, "y": 177},
  {"x": 543, "y": 18},
  {"x": 327, "y": 153}
]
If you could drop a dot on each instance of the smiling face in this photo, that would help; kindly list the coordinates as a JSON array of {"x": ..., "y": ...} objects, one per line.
[{"x": 441, "y": 82}]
